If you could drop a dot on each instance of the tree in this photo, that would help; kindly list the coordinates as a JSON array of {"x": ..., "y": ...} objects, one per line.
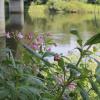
[{"x": 91, "y": 1}]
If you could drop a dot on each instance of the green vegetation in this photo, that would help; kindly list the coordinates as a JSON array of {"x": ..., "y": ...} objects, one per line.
[
  {"x": 62, "y": 23},
  {"x": 37, "y": 10},
  {"x": 64, "y": 6},
  {"x": 33, "y": 77},
  {"x": 30, "y": 70}
]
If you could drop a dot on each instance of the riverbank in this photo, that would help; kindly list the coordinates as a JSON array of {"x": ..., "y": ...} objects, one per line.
[{"x": 64, "y": 7}]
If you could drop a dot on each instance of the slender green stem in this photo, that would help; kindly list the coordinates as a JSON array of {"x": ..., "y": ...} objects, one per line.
[
  {"x": 81, "y": 56},
  {"x": 79, "y": 60},
  {"x": 60, "y": 95},
  {"x": 63, "y": 89}
]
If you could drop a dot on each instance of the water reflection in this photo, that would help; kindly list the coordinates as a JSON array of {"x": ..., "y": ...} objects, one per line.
[
  {"x": 15, "y": 22},
  {"x": 2, "y": 46},
  {"x": 58, "y": 25}
]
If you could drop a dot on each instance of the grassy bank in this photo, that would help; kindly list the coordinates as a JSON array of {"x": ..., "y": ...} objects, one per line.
[
  {"x": 65, "y": 7},
  {"x": 80, "y": 7}
]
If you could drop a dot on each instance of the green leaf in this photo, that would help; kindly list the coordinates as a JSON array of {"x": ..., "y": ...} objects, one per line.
[
  {"x": 83, "y": 92},
  {"x": 37, "y": 55},
  {"x": 79, "y": 41},
  {"x": 61, "y": 63},
  {"x": 34, "y": 81},
  {"x": 93, "y": 40},
  {"x": 48, "y": 54},
  {"x": 97, "y": 70},
  {"x": 75, "y": 32},
  {"x": 94, "y": 87},
  {"x": 6, "y": 62},
  {"x": 24, "y": 90},
  {"x": 73, "y": 72},
  {"x": 3, "y": 93},
  {"x": 71, "y": 66},
  {"x": 12, "y": 59},
  {"x": 23, "y": 96}
]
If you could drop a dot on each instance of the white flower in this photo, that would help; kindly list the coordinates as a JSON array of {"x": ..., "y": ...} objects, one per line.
[{"x": 20, "y": 35}]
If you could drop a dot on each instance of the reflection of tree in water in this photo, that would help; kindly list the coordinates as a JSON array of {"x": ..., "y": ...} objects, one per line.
[
  {"x": 96, "y": 22},
  {"x": 91, "y": 26},
  {"x": 2, "y": 46},
  {"x": 38, "y": 24},
  {"x": 61, "y": 24}
]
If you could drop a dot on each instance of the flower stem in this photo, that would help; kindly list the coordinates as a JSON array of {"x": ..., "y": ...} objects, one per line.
[{"x": 60, "y": 95}]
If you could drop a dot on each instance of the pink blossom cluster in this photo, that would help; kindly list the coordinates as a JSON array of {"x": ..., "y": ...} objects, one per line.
[
  {"x": 39, "y": 41},
  {"x": 35, "y": 42},
  {"x": 10, "y": 35},
  {"x": 72, "y": 86},
  {"x": 57, "y": 57}
]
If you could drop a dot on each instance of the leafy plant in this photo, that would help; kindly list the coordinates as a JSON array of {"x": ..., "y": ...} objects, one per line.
[
  {"x": 59, "y": 80},
  {"x": 17, "y": 81}
]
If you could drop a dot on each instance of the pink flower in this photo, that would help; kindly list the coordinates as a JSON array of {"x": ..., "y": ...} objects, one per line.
[
  {"x": 30, "y": 36},
  {"x": 49, "y": 49},
  {"x": 20, "y": 35},
  {"x": 8, "y": 35},
  {"x": 72, "y": 86},
  {"x": 57, "y": 57},
  {"x": 35, "y": 46},
  {"x": 40, "y": 40}
]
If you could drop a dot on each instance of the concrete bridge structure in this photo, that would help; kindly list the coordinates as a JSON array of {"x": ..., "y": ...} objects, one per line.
[
  {"x": 16, "y": 6},
  {"x": 2, "y": 18},
  {"x": 16, "y": 14},
  {"x": 16, "y": 17}
]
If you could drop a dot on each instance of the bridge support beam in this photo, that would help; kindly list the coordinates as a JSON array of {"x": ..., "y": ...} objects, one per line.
[
  {"x": 16, "y": 22},
  {"x": 2, "y": 18},
  {"x": 16, "y": 6},
  {"x": 2, "y": 30}
]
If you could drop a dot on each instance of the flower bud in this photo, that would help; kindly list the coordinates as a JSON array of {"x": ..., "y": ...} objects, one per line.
[{"x": 57, "y": 57}]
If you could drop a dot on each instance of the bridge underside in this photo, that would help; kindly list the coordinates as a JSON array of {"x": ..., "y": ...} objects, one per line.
[{"x": 16, "y": 6}]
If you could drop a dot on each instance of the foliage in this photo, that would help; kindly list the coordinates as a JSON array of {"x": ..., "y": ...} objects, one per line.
[
  {"x": 36, "y": 78},
  {"x": 17, "y": 81},
  {"x": 37, "y": 10},
  {"x": 69, "y": 6},
  {"x": 72, "y": 6}
]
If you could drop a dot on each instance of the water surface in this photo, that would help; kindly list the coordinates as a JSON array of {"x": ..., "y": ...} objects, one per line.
[{"x": 58, "y": 25}]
